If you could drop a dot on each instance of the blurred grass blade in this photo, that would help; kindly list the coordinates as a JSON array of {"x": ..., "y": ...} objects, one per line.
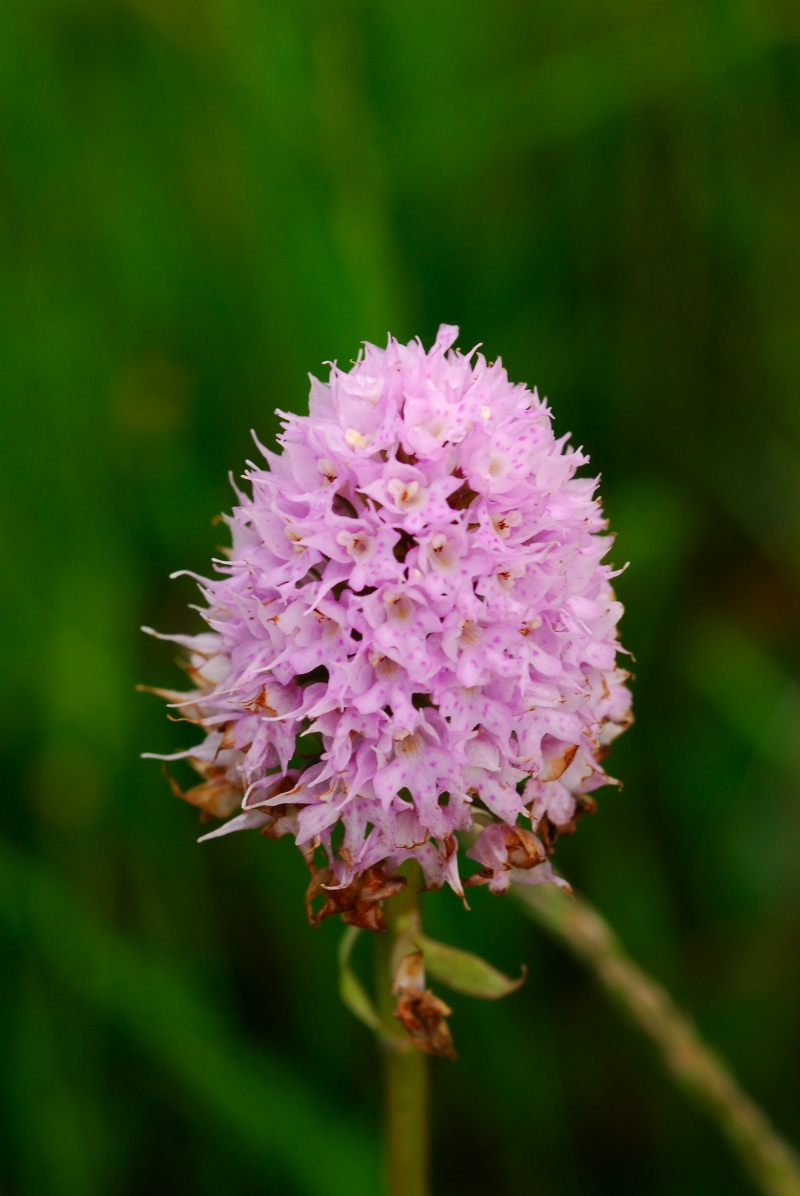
[
  {"x": 758, "y": 696},
  {"x": 578, "y": 89},
  {"x": 772, "y": 1163},
  {"x": 351, "y": 990},
  {"x": 249, "y": 1094},
  {"x": 465, "y": 972}
]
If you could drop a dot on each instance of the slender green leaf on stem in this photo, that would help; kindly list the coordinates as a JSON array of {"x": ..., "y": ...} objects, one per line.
[
  {"x": 772, "y": 1163},
  {"x": 466, "y": 973},
  {"x": 351, "y": 990}
]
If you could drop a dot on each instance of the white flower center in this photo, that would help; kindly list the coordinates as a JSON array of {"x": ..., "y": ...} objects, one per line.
[
  {"x": 355, "y": 439},
  {"x": 470, "y": 633},
  {"x": 398, "y": 606},
  {"x": 503, "y": 523},
  {"x": 507, "y": 577},
  {"x": 296, "y": 539},
  {"x": 442, "y": 552},
  {"x": 405, "y": 494},
  {"x": 329, "y": 627},
  {"x": 407, "y": 743},
  {"x": 357, "y": 544}
]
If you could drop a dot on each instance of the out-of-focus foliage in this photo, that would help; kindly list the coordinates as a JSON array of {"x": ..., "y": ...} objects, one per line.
[{"x": 202, "y": 201}]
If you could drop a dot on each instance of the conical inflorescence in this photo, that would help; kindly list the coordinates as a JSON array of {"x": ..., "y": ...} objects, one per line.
[{"x": 414, "y": 634}]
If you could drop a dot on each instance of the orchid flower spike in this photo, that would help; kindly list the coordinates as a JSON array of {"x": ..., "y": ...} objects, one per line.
[{"x": 414, "y": 635}]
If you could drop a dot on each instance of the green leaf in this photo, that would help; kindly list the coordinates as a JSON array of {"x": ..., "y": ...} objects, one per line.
[
  {"x": 351, "y": 990},
  {"x": 466, "y": 973}
]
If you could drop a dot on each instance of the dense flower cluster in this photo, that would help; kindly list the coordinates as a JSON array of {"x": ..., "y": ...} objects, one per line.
[{"x": 414, "y": 634}]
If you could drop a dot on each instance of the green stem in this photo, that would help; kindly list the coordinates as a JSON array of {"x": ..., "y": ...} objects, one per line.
[
  {"x": 406, "y": 1121},
  {"x": 772, "y": 1163}
]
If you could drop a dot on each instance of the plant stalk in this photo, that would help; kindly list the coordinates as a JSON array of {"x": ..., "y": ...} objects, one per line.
[
  {"x": 406, "y": 1113},
  {"x": 771, "y": 1162}
]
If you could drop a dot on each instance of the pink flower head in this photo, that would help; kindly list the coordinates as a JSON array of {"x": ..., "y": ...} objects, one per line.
[{"x": 414, "y": 635}]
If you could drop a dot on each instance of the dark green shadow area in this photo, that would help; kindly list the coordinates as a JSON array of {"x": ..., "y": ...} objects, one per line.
[{"x": 230, "y": 1088}]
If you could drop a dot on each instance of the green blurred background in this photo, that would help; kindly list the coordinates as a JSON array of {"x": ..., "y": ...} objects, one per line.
[{"x": 201, "y": 201}]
